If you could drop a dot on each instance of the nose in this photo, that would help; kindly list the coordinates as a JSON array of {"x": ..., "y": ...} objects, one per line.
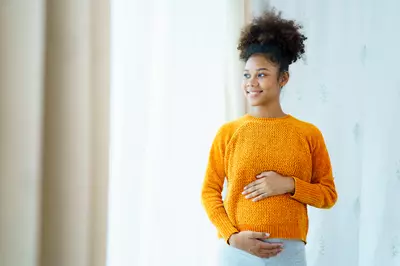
[{"x": 252, "y": 82}]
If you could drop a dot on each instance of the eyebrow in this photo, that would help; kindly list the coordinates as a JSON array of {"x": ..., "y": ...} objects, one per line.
[{"x": 259, "y": 69}]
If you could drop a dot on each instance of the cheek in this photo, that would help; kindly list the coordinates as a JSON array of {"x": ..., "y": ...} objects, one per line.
[
  {"x": 244, "y": 85},
  {"x": 269, "y": 84}
]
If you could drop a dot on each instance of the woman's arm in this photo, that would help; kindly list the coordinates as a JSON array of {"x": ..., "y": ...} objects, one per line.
[
  {"x": 212, "y": 188},
  {"x": 321, "y": 191}
]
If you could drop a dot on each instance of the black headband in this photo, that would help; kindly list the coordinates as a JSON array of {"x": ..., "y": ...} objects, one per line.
[{"x": 272, "y": 49}]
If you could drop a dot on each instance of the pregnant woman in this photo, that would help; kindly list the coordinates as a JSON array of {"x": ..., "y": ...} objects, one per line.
[{"x": 275, "y": 164}]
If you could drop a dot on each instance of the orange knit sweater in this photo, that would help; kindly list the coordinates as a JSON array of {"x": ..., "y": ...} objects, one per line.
[{"x": 248, "y": 146}]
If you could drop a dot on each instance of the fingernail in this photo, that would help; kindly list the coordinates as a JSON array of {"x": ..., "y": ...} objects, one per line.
[{"x": 266, "y": 234}]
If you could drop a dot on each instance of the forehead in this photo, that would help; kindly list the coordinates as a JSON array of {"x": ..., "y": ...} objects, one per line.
[{"x": 259, "y": 61}]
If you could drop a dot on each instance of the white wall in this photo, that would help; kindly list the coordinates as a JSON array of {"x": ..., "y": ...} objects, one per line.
[{"x": 349, "y": 86}]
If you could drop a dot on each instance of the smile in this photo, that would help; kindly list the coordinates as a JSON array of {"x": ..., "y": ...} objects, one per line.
[{"x": 253, "y": 92}]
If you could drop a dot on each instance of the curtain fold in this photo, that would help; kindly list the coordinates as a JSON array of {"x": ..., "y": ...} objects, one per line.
[
  {"x": 54, "y": 124},
  {"x": 100, "y": 133},
  {"x": 21, "y": 98}
]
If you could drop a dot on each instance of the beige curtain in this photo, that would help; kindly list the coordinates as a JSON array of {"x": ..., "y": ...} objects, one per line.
[{"x": 54, "y": 106}]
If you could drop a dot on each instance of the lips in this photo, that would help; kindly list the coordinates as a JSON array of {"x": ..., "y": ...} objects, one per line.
[{"x": 254, "y": 92}]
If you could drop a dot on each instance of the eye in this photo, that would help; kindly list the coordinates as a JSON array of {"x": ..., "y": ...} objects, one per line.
[
  {"x": 261, "y": 75},
  {"x": 246, "y": 75}
]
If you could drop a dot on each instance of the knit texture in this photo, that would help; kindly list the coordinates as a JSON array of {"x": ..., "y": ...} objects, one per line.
[{"x": 248, "y": 146}]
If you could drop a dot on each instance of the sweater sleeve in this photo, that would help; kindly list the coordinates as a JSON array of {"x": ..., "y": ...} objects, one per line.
[
  {"x": 321, "y": 191},
  {"x": 211, "y": 195}
]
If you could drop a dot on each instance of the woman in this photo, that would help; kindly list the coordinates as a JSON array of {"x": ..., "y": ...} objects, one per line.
[{"x": 275, "y": 164}]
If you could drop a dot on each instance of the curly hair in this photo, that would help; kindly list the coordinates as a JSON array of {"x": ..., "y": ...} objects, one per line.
[{"x": 274, "y": 36}]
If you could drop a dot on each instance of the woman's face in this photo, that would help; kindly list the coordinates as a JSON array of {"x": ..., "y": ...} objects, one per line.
[{"x": 261, "y": 81}]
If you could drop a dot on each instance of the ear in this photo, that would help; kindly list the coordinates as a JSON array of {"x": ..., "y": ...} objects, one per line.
[{"x": 284, "y": 78}]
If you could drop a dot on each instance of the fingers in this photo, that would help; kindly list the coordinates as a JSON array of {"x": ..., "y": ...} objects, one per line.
[
  {"x": 259, "y": 235},
  {"x": 268, "y": 253},
  {"x": 256, "y": 189},
  {"x": 267, "y": 250},
  {"x": 271, "y": 246},
  {"x": 264, "y": 174},
  {"x": 252, "y": 184},
  {"x": 255, "y": 194},
  {"x": 250, "y": 190},
  {"x": 260, "y": 197}
]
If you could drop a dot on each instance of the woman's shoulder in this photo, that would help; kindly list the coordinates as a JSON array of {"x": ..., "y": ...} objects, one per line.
[
  {"x": 229, "y": 127},
  {"x": 306, "y": 128}
]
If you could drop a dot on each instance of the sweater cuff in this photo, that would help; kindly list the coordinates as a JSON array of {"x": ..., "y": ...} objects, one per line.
[
  {"x": 225, "y": 227},
  {"x": 305, "y": 192}
]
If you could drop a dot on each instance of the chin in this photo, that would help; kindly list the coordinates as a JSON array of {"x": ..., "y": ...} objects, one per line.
[{"x": 255, "y": 103}]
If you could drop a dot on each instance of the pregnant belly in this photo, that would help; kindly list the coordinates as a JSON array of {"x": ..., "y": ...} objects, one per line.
[{"x": 270, "y": 211}]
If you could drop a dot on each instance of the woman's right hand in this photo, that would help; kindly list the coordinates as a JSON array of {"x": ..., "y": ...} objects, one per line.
[{"x": 252, "y": 243}]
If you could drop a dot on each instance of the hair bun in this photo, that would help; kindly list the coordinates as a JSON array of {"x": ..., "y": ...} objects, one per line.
[{"x": 270, "y": 29}]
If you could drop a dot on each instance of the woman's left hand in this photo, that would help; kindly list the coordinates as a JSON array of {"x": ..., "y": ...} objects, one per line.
[{"x": 269, "y": 184}]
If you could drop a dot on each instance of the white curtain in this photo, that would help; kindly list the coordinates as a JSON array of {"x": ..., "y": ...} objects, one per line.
[
  {"x": 349, "y": 86},
  {"x": 171, "y": 63}
]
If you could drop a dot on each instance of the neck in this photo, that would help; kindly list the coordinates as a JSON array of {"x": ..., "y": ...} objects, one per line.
[{"x": 271, "y": 110}]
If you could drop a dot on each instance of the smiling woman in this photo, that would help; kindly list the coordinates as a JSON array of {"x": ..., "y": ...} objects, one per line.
[{"x": 275, "y": 164}]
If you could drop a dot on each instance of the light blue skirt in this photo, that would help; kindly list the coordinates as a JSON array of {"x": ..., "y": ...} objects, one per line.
[{"x": 293, "y": 254}]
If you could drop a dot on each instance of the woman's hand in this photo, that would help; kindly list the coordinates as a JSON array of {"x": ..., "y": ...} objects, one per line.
[
  {"x": 269, "y": 184},
  {"x": 251, "y": 242}
]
